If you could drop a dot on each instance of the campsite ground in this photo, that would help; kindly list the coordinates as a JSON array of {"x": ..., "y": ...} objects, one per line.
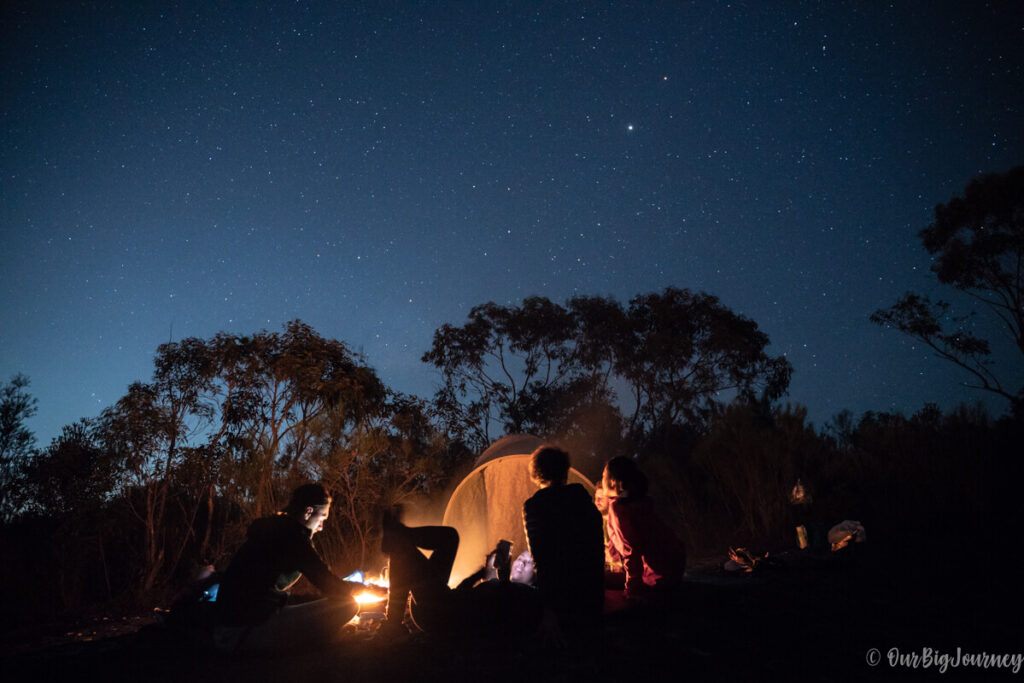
[{"x": 809, "y": 618}]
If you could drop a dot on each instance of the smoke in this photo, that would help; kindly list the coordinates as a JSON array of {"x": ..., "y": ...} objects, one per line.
[{"x": 592, "y": 435}]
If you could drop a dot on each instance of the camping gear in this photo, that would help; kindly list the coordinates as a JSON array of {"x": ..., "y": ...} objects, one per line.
[
  {"x": 801, "y": 537},
  {"x": 846, "y": 532},
  {"x": 741, "y": 558}
]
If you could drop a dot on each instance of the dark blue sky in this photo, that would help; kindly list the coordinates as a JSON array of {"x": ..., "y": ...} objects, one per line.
[{"x": 377, "y": 169}]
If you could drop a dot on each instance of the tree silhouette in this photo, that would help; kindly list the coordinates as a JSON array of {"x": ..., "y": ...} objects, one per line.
[
  {"x": 545, "y": 368},
  {"x": 151, "y": 430},
  {"x": 277, "y": 395},
  {"x": 503, "y": 364},
  {"x": 683, "y": 352},
  {"x": 170, "y": 476},
  {"x": 235, "y": 418},
  {"x": 16, "y": 440},
  {"x": 977, "y": 242},
  {"x": 69, "y": 484}
]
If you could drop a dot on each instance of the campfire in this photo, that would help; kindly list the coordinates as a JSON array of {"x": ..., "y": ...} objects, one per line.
[{"x": 368, "y": 614}]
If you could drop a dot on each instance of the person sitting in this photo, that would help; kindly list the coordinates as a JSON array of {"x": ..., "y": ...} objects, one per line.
[
  {"x": 496, "y": 601},
  {"x": 252, "y": 601},
  {"x": 566, "y": 539},
  {"x": 521, "y": 570},
  {"x": 652, "y": 556}
]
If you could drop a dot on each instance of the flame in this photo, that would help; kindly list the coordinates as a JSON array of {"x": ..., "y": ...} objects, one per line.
[{"x": 366, "y": 598}]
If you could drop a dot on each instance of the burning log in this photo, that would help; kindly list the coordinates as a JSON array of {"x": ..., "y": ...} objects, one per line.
[{"x": 367, "y": 616}]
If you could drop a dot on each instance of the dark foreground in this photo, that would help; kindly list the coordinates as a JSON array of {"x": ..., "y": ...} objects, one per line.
[{"x": 808, "y": 619}]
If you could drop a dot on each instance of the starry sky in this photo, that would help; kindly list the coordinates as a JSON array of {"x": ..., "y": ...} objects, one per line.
[{"x": 177, "y": 169}]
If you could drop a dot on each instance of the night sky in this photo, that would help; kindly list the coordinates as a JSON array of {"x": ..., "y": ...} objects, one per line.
[{"x": 377, "y": 169}]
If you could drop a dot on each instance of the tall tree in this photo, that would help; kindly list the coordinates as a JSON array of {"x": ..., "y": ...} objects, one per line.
[
  {"x": 16, "y": 441},
  {"x": 241, "y": 417},
  {"x": 977, "y": 244},
  {"x": 152, "y": 429},
  {"x": 389, "y": 458},
  {"x": 69, "y": 484},
  {"x": 500, "y": 366},
  {"x": 280, "y": 393},
  {"x": 547, "y": 368},
  {"x": 684, "y": 352},
  {"x": 73, "y": 474}
]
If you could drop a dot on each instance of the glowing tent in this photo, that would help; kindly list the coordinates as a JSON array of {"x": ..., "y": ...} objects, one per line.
[{"x": 487, "y": 505}]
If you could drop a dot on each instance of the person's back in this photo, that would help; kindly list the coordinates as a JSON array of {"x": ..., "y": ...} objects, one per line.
[{"x": 565, "y": 534}]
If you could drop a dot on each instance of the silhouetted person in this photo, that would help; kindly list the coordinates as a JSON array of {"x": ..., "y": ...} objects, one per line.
[
  {"x": 252, "y": 602},
  {"x": 481, "y": 605},
  {"x": 566, "y": 537},
  {"x": 811, "y": 530},
  {"x": 653, "y": 558}
]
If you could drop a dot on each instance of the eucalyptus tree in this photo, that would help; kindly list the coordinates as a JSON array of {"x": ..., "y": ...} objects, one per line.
[
  {"x": 547, "y": 368},
  {"x": 683, "y": 354},
  {"x": 150, "y": 431},
  {"x": 69, "y": 486},
  {"x": 234, "y": 417},
  {"x": 501, "y": 367},
  {"x": 279, "y": 395},
  {"x": 391, "y": 457},
  {"x": 17, "y": 441},
  {"x": 977, "y": 246}
]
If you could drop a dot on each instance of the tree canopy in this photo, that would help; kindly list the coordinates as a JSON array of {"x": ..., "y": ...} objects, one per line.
[
  {"x": 977, "y": 242},
  {"x": 542, "y": 366},
  {"x": 168, "y": 478},
  {"x": 16, "y": 439},
  {"x": 220, "y": 433}
]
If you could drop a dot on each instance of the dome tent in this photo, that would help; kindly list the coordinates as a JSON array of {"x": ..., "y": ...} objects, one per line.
[{"x": 487, "y": 505}]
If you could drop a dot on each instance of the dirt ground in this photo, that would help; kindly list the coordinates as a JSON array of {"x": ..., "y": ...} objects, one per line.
[{"x": 807, "y": 618}]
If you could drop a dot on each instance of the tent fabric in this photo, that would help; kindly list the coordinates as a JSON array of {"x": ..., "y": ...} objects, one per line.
[
  {"x": 487, "y": 506},
  {"x": 513, "y": 444}
]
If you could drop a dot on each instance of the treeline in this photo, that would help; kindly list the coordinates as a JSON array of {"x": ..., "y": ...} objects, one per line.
[
  {"x": 127, "y": 505},
  {"x": 610, "y": 378},
  {"x": 934, "y": 489}
]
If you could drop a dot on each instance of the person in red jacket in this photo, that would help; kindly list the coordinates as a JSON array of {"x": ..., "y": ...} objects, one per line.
[{"x": 652, "y": 555}]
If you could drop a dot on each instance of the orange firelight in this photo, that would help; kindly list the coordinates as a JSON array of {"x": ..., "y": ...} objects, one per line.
[{"x": 366, "y": 598}]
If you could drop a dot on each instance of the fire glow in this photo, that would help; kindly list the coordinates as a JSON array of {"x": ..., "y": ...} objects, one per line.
[{"x": 365, "y": 598}]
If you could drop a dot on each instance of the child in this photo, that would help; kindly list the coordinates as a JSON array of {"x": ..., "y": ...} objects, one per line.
[{"x": 652, "y": 555}]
